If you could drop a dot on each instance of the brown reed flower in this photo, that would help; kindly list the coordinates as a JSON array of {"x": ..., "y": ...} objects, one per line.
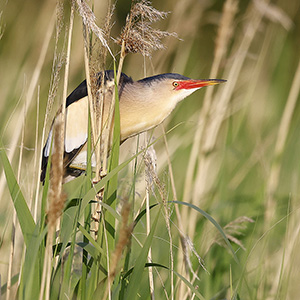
[
  {"x": 56, "y": 196},
  {"x": 89, "y": 20},
  {"x": 124, "y": 237},
  {"x": 138, "y": 34}
]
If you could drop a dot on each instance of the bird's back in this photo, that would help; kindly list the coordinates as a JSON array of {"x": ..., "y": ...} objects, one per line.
[{"x": 77, "y": 118}]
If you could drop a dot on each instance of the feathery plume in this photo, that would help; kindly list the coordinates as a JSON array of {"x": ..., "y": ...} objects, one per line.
[
  {"x": 89, "y": 20},
  {"x": 138, "y": 34},
  {"x": 56, "y": 195}
]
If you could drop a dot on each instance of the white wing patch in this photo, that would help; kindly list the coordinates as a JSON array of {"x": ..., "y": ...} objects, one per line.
[
  {"x": 76, "y": 124},
  {"x": 48, "y": 143}
]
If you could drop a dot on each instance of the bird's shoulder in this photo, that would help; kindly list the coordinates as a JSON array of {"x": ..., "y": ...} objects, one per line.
[{"x": 81, "y": 91}]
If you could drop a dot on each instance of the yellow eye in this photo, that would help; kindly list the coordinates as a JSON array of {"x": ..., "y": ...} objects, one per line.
[{"x": 175, "y": 84}]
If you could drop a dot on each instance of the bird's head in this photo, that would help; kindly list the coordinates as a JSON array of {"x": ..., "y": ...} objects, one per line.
[{"x": 176, "y": 87}]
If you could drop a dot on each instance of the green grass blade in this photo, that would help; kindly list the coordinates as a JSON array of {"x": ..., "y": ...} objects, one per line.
[
  {"x": 14, "y": 280},
  {"x": 68, "y": 233},
  {"x": 75, "y": 188},
  {"x": 142, "y": 213},
  {"x": 156, "y": 265},
  {"x": 97, "y": 187},
  {"x": 191, "y": 287},
  {"x": 30, "y": 281},
  {"x": 24, "y": 216},
  {"x": 135, "y": 280},
  {"x": 213, "y": 221},
  {"x": 91, "y": 239},
  {"x": 114, "y": 158}
]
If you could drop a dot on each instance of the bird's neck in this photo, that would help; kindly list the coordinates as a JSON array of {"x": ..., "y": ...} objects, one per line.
[{"x": 141, "y": 110}]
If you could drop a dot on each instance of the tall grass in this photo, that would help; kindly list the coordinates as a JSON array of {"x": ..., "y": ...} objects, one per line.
[{"x": 211, "y": 212}]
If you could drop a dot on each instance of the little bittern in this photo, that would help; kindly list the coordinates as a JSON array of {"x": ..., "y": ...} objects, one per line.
[{"x": 143, "y": 105}]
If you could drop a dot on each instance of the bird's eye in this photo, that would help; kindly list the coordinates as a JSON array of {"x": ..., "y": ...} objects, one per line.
[{"x": 175, "y": 84}]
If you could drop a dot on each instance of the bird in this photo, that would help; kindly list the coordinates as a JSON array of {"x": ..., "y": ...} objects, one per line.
[{"x": 143, "y": 105}]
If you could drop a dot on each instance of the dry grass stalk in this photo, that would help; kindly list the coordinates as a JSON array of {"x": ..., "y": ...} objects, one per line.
[
  {"x": 184, "y": 262},
  {"x": 220, "y": 111},
  {"x": 257, "y": 155},
  {"x": 14, "y": 220},
  {"x": 1, "y": 26},
  {"x": 58, "y": 62},
  {"x": 279, "y": 146},
  {"x": 178, "y": 215},
  {"x": 123, "y": 241},
  {"x": 224, "y": 35},
  {"x": 148, "y": 229},
  {"x": 36, "y": 179},
  {"x": 98, "y": 94},
  {"x": 56, "y": 201},
  {"x": 56, "y": 195},
  {"x": 274, "y": 13},
  {"x": 62, "y": 116},
  {"x": 223, "y": 38},
  {"x": 29, "y": 96},
  {"x": 152, "y": 179},
  {"x": 289, "y": 257},
  {"x": 185, "y": 20},
  {"x": 150, "y": 171}
]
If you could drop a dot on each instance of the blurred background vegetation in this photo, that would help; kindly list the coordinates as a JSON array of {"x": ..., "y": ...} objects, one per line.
[{"x": 248, "y": 180}]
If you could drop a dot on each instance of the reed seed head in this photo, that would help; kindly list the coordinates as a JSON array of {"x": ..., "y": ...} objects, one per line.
[
  {"x": 56, "y": 196},
  {"x": 138, "y": 34}
]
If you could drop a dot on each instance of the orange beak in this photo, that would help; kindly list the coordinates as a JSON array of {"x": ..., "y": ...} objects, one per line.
[{"x": 196, "y": 84}]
